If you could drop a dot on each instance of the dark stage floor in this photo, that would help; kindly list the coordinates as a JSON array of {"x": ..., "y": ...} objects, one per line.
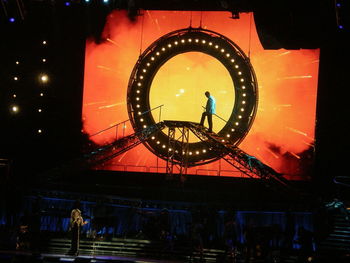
[
  {"x": 26, "y": 257},
  {"x": 15, "y": 256}
]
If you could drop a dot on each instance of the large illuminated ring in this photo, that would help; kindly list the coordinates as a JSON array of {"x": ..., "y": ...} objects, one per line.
[{"x": 208, "y": 42}]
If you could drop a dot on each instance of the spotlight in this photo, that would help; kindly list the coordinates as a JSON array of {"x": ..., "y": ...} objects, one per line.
[
  {"x": 12, "y": 19},
  {"x": 44, "y": 78},
  {"x": 14, "y": 109},
  {"x": 67, "y": 3}
]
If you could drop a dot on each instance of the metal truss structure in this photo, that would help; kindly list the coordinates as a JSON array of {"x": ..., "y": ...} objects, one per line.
[
  {"x": 242, "y": 161},
  {"x": 183, "y": 140},
  {"x": 117, "y": 147},
  {"x": 245, "y": 163}
]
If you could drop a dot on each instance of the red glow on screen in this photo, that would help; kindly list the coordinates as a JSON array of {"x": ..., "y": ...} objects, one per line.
[{"x": 282, "y": 135}]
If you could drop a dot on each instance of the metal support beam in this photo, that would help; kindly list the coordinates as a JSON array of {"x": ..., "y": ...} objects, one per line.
[
  {"x": 183, "y": 141},
  {"x": 171, "y": 151},
  {"x": 185, "y": 135}
]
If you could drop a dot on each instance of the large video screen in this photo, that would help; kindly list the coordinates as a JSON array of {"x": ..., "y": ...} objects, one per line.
[{"x": 282, "y": 134}]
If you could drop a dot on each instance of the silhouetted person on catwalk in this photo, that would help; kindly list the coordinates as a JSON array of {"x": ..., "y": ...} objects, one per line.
[{"x": 209, "y": 111}]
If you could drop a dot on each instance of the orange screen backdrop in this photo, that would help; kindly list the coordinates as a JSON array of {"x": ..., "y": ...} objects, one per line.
[{"x": 282, "y": 135}]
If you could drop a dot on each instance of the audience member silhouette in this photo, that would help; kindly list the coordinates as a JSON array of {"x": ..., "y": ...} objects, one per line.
[{"x": 305, "y": 240}]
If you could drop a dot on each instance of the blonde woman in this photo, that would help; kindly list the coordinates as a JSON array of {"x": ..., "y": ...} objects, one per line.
[{"x": 76, "y": 222}]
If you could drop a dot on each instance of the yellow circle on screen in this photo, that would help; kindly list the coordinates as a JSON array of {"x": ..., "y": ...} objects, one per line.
[{"x": 180, "y": 85}]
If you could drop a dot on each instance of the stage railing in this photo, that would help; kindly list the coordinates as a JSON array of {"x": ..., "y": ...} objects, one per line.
[
  {"x": 120, "y": 134},
  {"x": 162, "y": 169},
  {"x": 217, "y": 116}
]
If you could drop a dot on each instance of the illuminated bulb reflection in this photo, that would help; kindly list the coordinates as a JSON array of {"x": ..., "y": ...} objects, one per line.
[{"x": 44, "y": 78}]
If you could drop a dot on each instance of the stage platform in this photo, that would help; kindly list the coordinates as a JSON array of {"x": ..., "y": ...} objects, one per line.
[
  {"x": 23, "y": 257},
  {"x": 27, "y": 257}
]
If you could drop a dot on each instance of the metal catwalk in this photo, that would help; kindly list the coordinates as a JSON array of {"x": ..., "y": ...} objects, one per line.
[{"x": 242, "y": 161}]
